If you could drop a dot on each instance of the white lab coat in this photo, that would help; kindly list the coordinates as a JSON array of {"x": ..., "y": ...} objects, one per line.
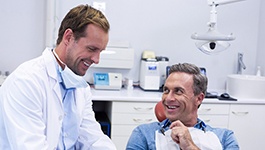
[{"x": 31, "y": 110}]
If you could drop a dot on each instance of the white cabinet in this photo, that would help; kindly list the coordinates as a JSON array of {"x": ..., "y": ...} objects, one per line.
[
  {"x": 216, "y": 115},
  {"x": 126, "y": 116},
  {"x": 247, "y": 121}
]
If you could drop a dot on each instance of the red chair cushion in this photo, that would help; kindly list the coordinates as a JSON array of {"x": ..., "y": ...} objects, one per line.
[{"x": 160, "y": 112}]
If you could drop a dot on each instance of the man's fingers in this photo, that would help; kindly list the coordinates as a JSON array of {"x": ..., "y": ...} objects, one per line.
[
  {"x": 176, "y": 124},
  {"x": 175, "y": 138}
]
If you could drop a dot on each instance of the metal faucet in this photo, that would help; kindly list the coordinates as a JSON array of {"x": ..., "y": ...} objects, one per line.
[{"x": 240, "y": 63}]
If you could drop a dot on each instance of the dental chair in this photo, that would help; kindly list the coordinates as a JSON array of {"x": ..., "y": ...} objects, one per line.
[{"x": 159, "y": 111}]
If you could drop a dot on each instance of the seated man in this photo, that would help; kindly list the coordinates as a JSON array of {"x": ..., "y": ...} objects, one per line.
[{"x": 183, "y": 93}]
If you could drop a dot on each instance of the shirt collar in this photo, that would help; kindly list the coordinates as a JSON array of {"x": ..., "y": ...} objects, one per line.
[{"x": 199, "y": 125}]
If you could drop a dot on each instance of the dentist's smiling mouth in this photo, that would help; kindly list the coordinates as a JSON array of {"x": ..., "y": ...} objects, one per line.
[{"x": 86, "y": 64}]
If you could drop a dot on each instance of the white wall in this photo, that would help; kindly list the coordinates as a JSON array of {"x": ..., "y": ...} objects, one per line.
[
  {"x": 22, "y": 30},
  {"x": 261, "y": 39},
  {"x": 162, "y": 26}
]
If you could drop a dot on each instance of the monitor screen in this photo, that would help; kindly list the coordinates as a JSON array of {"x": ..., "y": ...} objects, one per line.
[{"x": 203, "y": 70}]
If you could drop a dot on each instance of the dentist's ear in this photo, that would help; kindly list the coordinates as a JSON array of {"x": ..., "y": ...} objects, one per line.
[{"x": 67, "y": 36}]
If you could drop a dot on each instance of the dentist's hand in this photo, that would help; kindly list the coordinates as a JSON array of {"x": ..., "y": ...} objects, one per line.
[{"x": 181, "y": 135}]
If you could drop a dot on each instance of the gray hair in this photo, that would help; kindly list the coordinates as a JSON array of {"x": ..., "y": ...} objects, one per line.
[{"x": 200, "y": 81}]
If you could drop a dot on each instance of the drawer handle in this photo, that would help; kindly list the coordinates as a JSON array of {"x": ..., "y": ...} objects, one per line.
[
  {"x": 240, "y": 113},
  {"x": 206, "y": 109},
  {"x": 207, "y": 120},
  {"x": 142, "y": 120},
  {"x": 143, "y": 109}
]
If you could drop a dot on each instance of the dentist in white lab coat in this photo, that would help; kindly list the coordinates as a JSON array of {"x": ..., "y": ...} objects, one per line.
[{"x": 45, "y": 103}]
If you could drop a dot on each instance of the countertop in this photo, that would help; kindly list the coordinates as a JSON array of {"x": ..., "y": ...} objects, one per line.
[{"x": 139, "y": 95}]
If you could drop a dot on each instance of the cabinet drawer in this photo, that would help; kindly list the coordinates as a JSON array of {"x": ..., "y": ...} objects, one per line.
[
  {"x": 120, "y": 142},
  {"x": 214, "y": 109},
  {"x": 133, "y": 107},
  {"x": 215, "y": 120},
  {"x": 122, "y": 130},
  {"x": 132, "y": 119}
]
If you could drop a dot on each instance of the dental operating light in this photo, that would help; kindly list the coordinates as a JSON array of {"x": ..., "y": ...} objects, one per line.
[{"x": 213, "y": 41}]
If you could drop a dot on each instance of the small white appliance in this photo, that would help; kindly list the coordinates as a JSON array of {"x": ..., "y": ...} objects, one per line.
[
  {"x": 153, "y": 71},
  {"x": 149, "y": 74},
  {"x": 108, "y": 81},
  {"x": 116, "y": 57}
]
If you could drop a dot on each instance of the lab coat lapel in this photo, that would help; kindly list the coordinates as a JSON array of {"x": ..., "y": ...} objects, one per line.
[
  {"x": 54, "y": 111},
  {"x": 52, "y": 73}
]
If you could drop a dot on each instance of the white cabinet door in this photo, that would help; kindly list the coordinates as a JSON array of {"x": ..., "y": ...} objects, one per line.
[
  {"x": 215, "y": 115},
  {"x": 120, "y": 142},
  {"x": 247, "y": 122},
  {"x": 128, "y": 115}
]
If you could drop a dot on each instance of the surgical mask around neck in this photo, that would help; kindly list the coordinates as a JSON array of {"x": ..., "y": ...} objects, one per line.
[{"x": 70, "y": 79}]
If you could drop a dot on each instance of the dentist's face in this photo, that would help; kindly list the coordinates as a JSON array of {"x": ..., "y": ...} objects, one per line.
[
  {"x": 86, "y": 51},
  {"x": 178, "y": 98}
]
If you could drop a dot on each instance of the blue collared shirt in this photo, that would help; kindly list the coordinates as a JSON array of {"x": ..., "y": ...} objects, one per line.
[
  {"x": 143, "y": 136},
  {"x": 69, "y": 131}
]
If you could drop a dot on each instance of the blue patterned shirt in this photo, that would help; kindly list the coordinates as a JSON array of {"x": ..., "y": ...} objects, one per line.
[{"x": 143, "y": 136}]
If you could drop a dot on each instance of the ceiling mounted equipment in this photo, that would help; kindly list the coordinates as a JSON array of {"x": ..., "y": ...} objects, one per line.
[{"x": 213, "y": 41}]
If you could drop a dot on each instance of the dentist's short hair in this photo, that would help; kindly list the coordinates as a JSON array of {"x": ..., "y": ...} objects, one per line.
[{"x": 77, "y": 20}]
